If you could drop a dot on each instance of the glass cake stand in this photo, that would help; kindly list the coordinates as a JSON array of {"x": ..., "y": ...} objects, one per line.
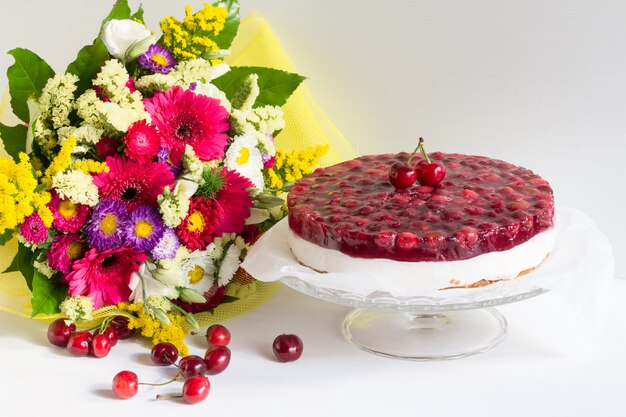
[{"x": 419, "y": 328}]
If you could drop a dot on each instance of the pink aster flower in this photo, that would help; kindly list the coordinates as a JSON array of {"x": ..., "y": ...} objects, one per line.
[
  {"x": 107, "y": 147},
  {"x": 65, "y": 250},
  {"x": 142, "y": 142},
  {"x": 104, "y": 276},
  {"x": 186, "y": 118},
  {"x": 68, "y": 216},
  {"x": 33, "y": 229},
  {"x": 132, "y": 183}
]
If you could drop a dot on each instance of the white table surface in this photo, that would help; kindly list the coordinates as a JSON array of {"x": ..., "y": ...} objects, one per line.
[{"x": 545, "y": 367}]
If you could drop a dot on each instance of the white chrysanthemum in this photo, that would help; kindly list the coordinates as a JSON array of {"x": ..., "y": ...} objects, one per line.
[
  {"x": 88, "y": 108},
  {"x": 192, "y": 165},
  {"x": 197, "y": 70},
  {"x": 78, "y": 308},
  {"x": 150, "y": 84},
  {"x": 142, "y": 282},
  {"x": 112, "y": 79},
  {"x": 174, "y": 206},
  {"x": 85, "y": 134},
  {"x": 200, "y": 270},
  {"x": 57, "y": 99},
  {"x": 244, "y": 157},
  {"x": 76, "y": 186},
  {"x": 212, "y": 91},
  {"x": 44, "y": 268},
  {"x": 230, "y": 264}
]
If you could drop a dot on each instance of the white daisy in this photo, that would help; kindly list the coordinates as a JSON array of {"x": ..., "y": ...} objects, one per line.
[{"x": 244, "y": 157}]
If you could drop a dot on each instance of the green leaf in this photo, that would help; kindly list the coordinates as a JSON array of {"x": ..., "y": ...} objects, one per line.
[
  {"x": 5, "y": 237},
  {"x": 25, "y": 264},
  {"x": 27, "y": 77},
  {"x": 229, "y": 299},
  {"x": 231, "y": 26},
  {"x": 276, "y": 86},
  {"x": 88, "y": 63},
  {"x": 47, "y": 295},
  {"x": 138, "y": 15},
  {"x": 14, "y": 138},
  {"x": 120, "y": 10}
]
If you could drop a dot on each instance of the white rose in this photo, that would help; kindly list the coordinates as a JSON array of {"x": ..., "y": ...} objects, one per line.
[{"x": 126, "y": 39}]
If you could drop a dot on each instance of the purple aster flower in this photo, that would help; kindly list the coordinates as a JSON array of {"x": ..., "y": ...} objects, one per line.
[
  {"x": 157, "y": 58},
  {"x": 105, "y": 228},
  {"x": 167, "y": 246},
  {"x": 193, "y": 86},
  {"x": 164, "y": 156},
  {"x": 145, "y": 228}
]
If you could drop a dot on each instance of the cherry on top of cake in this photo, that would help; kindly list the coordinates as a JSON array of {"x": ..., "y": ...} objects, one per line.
[{"x": 482, "y": 205}]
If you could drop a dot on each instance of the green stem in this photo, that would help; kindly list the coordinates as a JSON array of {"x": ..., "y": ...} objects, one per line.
[
  {"x": 408, "y": 162},
  {"x": 159, "y": 384},
  {"x": 420, "y": 145}
]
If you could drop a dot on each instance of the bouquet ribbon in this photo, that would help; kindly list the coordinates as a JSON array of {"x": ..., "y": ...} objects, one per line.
[{"x": 307, "y": 125}]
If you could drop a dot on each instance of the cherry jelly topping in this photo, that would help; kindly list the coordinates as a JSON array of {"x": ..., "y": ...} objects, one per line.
[{"x": 483, "y": 205}]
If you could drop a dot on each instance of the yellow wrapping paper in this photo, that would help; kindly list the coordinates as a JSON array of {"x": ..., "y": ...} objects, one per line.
[{"x": 307, "y": 125}]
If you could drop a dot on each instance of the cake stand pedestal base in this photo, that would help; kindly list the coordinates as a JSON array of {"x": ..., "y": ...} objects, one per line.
[{"x": 423, "y": 336}]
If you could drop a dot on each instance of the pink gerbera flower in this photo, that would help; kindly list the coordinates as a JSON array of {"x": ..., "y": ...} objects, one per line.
[
  {"x": 104, "y": 276},
  {"x": 132, "y": 183},
  {"x": 142, "y": 142},
  {"x": 68, "y": 216},
  {"x": 33, "y": 229},
  {"x": 186, "y": 118},
  {"x": 65, "y": 250},
  {"x": 235, "y": 201}
]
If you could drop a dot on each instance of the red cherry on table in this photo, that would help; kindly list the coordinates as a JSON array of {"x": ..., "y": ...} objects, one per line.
[
  {"x": 79, "y": 343},
  {"x": 430, "y": 174},
  {"x": 217, "y": 359},
  {"x": 59, "y": 332},
  {"x": 125, "y": 384},
  {"x": 120, "y": 325},
  {"x": 402, "y": 176},
  {"x": 217, "y": 335},
  {"x": 196, "y": 389},
  {"x": 191, "y": 366},
  {"x": 110, "y": 333},
  {"x": 100, "y": 345},
  {"x": 287, "y": 347},
  {"x": 164, "y": 354}
]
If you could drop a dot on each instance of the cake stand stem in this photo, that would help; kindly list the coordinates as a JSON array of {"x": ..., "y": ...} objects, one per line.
[{"x": 424, "y": 335}]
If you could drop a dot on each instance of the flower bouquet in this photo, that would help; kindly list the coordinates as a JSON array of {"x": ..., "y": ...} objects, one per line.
[{"x": 142, "y": 173}]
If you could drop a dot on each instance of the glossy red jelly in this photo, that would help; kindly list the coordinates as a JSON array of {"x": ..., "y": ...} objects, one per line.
[{"x": 483, "y": 205}]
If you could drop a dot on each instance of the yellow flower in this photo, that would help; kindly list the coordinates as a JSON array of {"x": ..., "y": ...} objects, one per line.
[
  {"x": 192, "y": 37},
  {"x": 89, "y": 166},
  {"x": 292, "y": 166},
  {"x": 173, "y": 333},
  {"x": 61, "y": 161},
  {"x": 19, "y": 196}
]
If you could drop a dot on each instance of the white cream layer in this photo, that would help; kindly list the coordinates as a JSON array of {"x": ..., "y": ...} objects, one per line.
[{"x": 431, "y": 275}]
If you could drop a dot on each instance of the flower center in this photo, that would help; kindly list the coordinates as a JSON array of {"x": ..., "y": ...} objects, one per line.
[
  {"x": 129, "y": 194},
  {"x": 195, "y": 222},
  {"x": 183, "y": 131},
  {"x": 109, "y": 261},
  {"x": 67, "y": 209},
  {"x": 244, "y": 156},
  {"x": 196, "y": 274},
  {"x": 108, "y": 224},
  {"x": 143, "y": 229},
  {"x": 74, "y": 250},
  {"x": 159, "y": 59}
]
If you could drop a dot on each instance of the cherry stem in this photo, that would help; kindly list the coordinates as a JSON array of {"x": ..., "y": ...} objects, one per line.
[
  {"x": 158, "y": 384},
  {"x": 408, "y": 162},
  {"x": 420, "y": 145},
  {"x": 167, "y": 397}
]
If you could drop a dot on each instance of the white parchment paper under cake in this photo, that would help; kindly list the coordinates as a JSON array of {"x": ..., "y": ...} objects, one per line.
[{"x": 580, "y": 267}]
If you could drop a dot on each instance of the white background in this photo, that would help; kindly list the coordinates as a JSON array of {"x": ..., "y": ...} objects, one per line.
[{"x": 538, "y": 83}]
